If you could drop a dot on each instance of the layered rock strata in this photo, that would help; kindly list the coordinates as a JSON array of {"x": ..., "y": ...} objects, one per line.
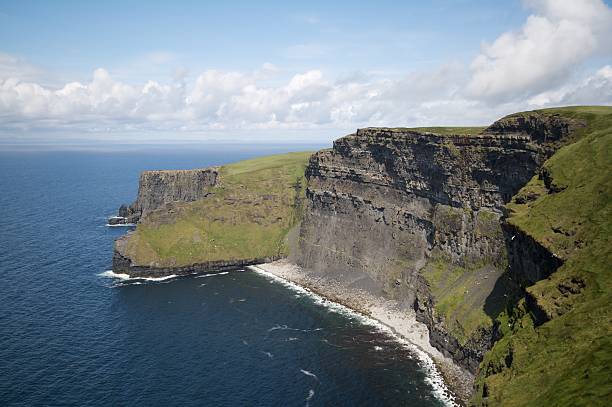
[{"x": 417, "y": 217}]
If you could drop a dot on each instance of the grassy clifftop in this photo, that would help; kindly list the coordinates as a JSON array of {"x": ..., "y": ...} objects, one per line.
[
  {"x": 449, "y": 131},
  {"x": 247, "y": 215},
  {"x": 567, "y": 360}
]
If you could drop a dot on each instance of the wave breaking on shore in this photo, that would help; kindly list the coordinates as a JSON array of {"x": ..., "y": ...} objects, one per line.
[{"x": 126, "y": 277}]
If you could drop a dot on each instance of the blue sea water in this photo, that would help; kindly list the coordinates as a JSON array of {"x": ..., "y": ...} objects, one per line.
[{"x": 70, "y": 336}]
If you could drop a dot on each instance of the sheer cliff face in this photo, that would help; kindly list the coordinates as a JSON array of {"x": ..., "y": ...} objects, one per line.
[
  {"x": 157, "y": 188},
  {"x": 416, "y": 217},
  {"x": 381, "y": 195}
]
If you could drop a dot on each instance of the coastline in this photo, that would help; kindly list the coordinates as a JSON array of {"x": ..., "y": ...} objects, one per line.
[{"x": 400, "y": 323}]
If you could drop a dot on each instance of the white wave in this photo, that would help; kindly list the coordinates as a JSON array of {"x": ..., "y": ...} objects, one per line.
[
  {"x": 156, "y": 278},
  {"x": 290, "y": 339},
  {"x": 268, "y": 354},
  {"x": 288, "y": 328},
  {"x": 311, "y": 394},
  {"x": 378, "y": 348},
  {"x": 282, "y": 327},
  {"x": 111, "y": 274},
  {"x": 121, "y": 225},
  {"x": 432, "y": 375},
  {"x": 307, "y": 373},
  {"x": 127, "y": 277},
  {"x": 213, "y": 274}
]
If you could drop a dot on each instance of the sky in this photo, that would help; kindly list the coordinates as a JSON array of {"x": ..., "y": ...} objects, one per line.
[{"x": 277, "y": 71}]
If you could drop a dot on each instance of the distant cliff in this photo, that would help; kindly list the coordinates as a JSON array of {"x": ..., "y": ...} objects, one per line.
[
  {"x": 213, "y": 219},
  {"x": 157, "y": 188}
]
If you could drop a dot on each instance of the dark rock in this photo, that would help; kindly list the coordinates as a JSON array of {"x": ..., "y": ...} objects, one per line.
[
  {"x": 159, "y": 188},
  {"x": 117, "y": 220},
  {"x": 124, "y": 211}
]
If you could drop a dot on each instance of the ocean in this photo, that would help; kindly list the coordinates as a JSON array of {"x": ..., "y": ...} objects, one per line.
[{"x": 72, "y": 336}]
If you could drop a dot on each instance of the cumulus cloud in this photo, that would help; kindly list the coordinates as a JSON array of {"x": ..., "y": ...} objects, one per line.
[
  {"x": 537, "y": 66},
  {"x": 245, "y": 100},
  {"x": 544, "y": 52}
]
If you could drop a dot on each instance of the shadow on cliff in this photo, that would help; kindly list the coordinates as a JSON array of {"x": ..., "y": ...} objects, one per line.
[
  {"x": 505, "y": 294},
  {"x": 507, "y": 290}
]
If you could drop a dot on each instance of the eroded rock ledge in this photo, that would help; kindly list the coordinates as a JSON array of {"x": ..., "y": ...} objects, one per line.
[{"x": 157, "y": 188}]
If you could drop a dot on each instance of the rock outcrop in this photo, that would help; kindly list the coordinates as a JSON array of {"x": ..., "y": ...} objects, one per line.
[
  {"x": 157, "y": 188},
  {"x": 417, "y": 217}
]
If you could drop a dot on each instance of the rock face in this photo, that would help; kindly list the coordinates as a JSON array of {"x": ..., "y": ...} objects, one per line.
[
  {"x": 542, "y": 128},
  {"x": 417, "y": 217},
  {"x": 157, "y": 188}
]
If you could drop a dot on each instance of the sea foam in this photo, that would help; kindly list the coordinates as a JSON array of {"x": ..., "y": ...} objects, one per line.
[
  {"x": 126, "y": 277},
  {"x": 212, "y": 274}
]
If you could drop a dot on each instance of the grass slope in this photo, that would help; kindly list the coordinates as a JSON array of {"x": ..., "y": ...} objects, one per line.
[
  {"x": 248, "y": 215},
  {"x": 567, "y": 360},
  {"x": 450, "y": 131}
]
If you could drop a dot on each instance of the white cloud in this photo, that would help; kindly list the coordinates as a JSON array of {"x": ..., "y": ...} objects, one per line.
[
  {"x": 534, "y": 67},
  {"x": 544, "y": 52},
  {"x": 246, "y": 100},
  {"x": 593, "y": 90}
]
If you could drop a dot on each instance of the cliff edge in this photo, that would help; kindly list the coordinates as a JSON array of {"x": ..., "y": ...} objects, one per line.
[{"x": 158, "y": 188}]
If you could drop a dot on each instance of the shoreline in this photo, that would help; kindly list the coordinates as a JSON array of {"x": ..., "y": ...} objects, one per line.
[{"x": 388, "y": 314}]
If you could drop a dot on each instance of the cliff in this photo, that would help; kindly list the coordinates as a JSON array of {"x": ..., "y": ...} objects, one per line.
[
  {"x": 157, "y": 188},
  {"x": 416, "y": 217},
  {"x": 554, "y": 343},
  {"x": 213, "y": 219},
  {"x": 476, "y": 233}
]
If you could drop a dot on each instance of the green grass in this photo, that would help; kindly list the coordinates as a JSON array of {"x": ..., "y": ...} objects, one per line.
[
  {"x": 449, "y": 131},
  {"x": 461, "y": 287},
  {"x": 567, "y": 360},
  {"x": 454, "y": 288},
  {"x": 248, "y": 215}
]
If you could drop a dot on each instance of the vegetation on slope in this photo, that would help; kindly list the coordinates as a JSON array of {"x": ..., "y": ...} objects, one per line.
[
  {"x": 565, "y": 361},
  {"x": 450, "y": 131},
  {"x": 248, "y": 215},
  {"x": 463, "y": 289}
]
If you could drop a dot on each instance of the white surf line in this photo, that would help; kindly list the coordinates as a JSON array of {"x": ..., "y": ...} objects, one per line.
[
  {"x": 112, "y": 274},
  {"x": 433, "y": 375},
  {"x": 212, "y": 274},
  {"x": 127, "y": 277}
]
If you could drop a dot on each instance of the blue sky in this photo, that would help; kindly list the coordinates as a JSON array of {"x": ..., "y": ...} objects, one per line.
[
  {"x": 273, "y": 70},
  {"x": 77, "y": 37}
]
